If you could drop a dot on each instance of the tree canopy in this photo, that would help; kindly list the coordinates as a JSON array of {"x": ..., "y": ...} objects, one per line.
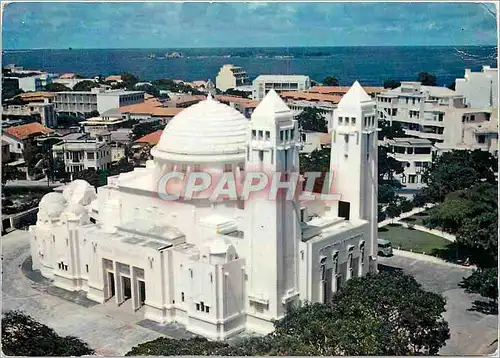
[
  {"x": 427, "y": 79},
  {"x": 484, "y": 281},
  {"x": 391, "y": 84},
  {"x": 129, "y": 81},
  {"x": 456, "y": 170},
  {"x": 383, "y": 314},
  {"x": 312, "y": 119},
  {"x": 330, "y": 81},
  {"x": 143, "y": 128},
  {"x": 390, "y": 131},
  {"x": 23, "y": 336},
  {"x": 472, "y": 215},
  {"x": 150, "y": 89},
  {"x": 86, "y": 85},
  {"x": 56, "y": 87}
]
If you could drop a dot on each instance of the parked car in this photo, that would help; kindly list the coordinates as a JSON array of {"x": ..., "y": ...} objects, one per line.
[{"x": 384, "y": 247}]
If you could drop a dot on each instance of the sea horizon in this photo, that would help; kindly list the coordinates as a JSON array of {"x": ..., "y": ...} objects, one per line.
[
  {"x": 370, "y": 65},
  {"x": 243, "y": 47}
]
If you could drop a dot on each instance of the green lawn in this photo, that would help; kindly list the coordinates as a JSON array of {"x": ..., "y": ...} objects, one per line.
[
  {"x": 417, "y": 219},
  {"x": 415, "y": 240}
]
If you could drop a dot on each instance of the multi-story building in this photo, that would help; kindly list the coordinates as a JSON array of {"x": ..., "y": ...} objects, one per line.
[
  {"x": 416, "y": 154},
  {"x": 82, "y": 103},
  {"x": 480, "y": 89},
  {"x": 311, "y": 141},
  {"x": 32, "y": 83},
  {"x": 468, "y": 128},
  {"x": 23, "y": 136},
  {"x": 419, "y": 109},
  {"x": 43, "y": 112},
  {"x": 280, "y": 83},
  {"x": 5, "y": 151},
  {"x": 230, "y": 76},
  {"x": 83, "y": 154}
]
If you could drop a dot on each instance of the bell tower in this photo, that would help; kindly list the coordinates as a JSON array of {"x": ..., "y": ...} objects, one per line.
[
  {"x": 354, "y": 159},
  {"x": 274, "y": 221}
]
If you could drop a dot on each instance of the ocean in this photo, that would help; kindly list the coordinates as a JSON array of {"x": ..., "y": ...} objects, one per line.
[{"x": 368, "y": 65}]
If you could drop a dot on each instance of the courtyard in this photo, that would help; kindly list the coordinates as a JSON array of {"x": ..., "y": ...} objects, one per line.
[{"x": 113, "y": 330}]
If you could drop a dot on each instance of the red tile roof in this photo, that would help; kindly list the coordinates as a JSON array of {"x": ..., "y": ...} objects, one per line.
[
  {"x": 307, "y": 96},
  {"x": 151, "y": 138},
  {"x": 27, "y": 130},
  {"x": 245, "y": 102},
  {"x": 152, "y": 107}
]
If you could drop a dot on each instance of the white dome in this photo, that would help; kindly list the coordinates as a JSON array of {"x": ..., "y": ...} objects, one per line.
[
  {"x": 51, "y": 206},
  {"x": 79, "y": 191},
  {"x": 208, "y": 131}
]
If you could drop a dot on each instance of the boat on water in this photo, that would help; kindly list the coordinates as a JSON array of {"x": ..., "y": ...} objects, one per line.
[{"x": 152, "y": 56}]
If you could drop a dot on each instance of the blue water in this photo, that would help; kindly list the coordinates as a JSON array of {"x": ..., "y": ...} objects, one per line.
[{"x": 369, "y": 65}]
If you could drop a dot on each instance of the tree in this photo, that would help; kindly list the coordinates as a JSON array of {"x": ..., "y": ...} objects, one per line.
[
  {"x": 129, "y": 80},
  {"x": 386, "y": 193},
  {"x": 312, "y": 119},
  {"x": 164, "y": 346},
  {"x": 388, "y": 131},
  {"x": 484, "y": 282},
  {"x": 11, "y": 173},
  {"x": 23, "y": 336},
  {"x": 330, "y": 81},
  {"x": 391, "y": 84},
  {"x": 427, "y": 79},
  {"x": 388, "y": 167},
  {"x": 393, "y": 210},
  {"x": 233, "y": 92},
  {"x": 472, "y": 215},
  {"x": 66, "y": 120},
  {"x": 56, "y": 87},
  {"x": 10, "y": 88},
  {"x": 456, "y": 170},
  {"x": 86, "y": 85},
  {"x": 383, "y": 314},
  {"x": 316, "y": 162},
  {"x": 143, "y": 128},
  {"x": 89, "y": 175},
  {"x": 152, "y": 90}
]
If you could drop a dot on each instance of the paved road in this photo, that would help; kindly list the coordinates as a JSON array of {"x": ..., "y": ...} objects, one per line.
[
  {"x": 107, "y": 335},
  {"x": 471, "y": 332}
]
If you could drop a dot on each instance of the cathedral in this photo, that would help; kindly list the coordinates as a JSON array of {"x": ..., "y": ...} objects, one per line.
[{"x": 226, "y": 266}]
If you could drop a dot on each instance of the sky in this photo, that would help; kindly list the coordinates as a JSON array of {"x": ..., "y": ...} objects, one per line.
[{"x": 252, "y": 24}]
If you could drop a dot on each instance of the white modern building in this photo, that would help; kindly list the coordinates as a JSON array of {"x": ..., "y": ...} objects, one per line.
[
  {"x": 219, "y": 267},
  {"x": 419, "y": 109},
  {"x": 279, "y": 83},
  {"x": 98, "y": 99},
  {"x": 230, "y": 76},
  {"x": 415, "y": 154},
  {"x": 312, "y": 141},
  {"x": 480, "y": 89},
  {"x": 33, "y": 83},
  {"x": 83, "y": 154}
]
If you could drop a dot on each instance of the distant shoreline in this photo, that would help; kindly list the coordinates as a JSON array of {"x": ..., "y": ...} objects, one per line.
[{"x": 238, "y": 48}]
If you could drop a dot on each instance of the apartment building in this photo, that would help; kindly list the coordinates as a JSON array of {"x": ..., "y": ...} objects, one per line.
[
  {"x": 83, "y": 154},
  {"x": 82, "y": 103},
  {"x": 230, "y": 76},
  {"x": 32, "y": 83},
  {"x": 471, "y": 129},
  {"x": 280, "y": 83},
  {"x": 419, "y": 109},
  {"x": 43, "y": 112},
  {"x": 311, "y": 141},
  {"x": 416, "y": 154},
  {"x": 480, "y": 89}
]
